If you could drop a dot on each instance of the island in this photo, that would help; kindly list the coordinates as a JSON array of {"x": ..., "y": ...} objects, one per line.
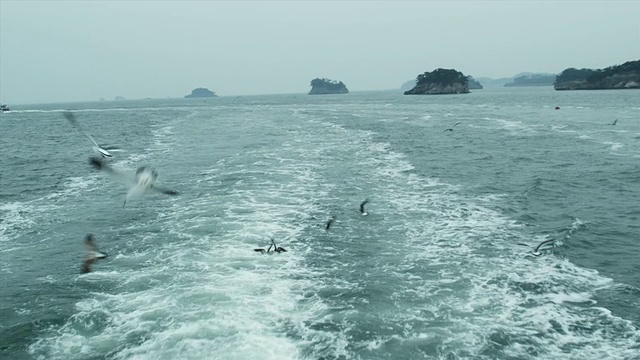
[
  {"x": 201, "y": 93},
  {"x": 532, "y": 80},
  {"x": 473, "y": 83},
  {"x": 326, "y": 86},
  {"x": 625, "y": 76},
  {"x": 440, "y": 81}
]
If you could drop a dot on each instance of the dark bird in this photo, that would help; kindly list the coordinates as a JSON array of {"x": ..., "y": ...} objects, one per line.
[
  {"x": 536, "y": 251},
  {"x": 143, "y": 180},
  {"x": 93, "y": 254},
  {"x": 451, "y": 128},
  {"x": 615, "y": 122},
  {"x": 276, "y": 248},
  {"x": 362, "y": 210},
  {"x": 273, "y": 245},
  {"x": 102, "y": 150},
  {"x": 330, "y": 222}
]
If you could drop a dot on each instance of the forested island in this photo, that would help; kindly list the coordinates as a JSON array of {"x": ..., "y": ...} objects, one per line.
[
  {"x": 326, "y": 86},
  {"x": 440, "y": 81},
  {"x": 625, "y": 76},
  {"x": 532, "y": 80},
  {"x": 200, "y": 93}
]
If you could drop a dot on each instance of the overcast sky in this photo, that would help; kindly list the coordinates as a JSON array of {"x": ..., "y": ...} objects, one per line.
[{"x": 55, "y": 51}]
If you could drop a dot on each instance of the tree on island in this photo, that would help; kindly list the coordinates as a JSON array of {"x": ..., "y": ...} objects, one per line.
[
  {"x": 327, "y": 86},
  {"x": 201, "y": 92},
  {"x": 625, "y": 76},
  {"x": 440, "y": 81}
]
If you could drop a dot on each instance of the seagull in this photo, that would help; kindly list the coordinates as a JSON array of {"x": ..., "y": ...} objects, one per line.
[
  {"x": 93, "y": 255},
  {"x": 362, "y": 210},
  {"x": 100, "y": 149},
  {"x": 615, "y": 122},
  {"x": 536, "y": 251},
  {"x": 330, "y": 222},
  {"x": 451, "y": 128},
  {"x": 276, "y": 248},
  {"x": 143, "y": 180}
]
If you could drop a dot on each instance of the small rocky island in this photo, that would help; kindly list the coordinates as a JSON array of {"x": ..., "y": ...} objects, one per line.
[
  {"x": 326, "y": 86},
  {"x": 201, "y": 93},
  {"x": 440, "y": 81},
  {"x": 625, "y": 76}
]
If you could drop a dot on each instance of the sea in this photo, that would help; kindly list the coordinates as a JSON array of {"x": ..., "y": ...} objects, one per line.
[{"x": 443, "y": 266}]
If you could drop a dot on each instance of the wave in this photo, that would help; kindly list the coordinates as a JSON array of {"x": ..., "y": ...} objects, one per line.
[{"x": 431, "y": 272}]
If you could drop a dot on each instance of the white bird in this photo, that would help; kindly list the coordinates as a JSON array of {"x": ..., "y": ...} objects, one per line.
[
  {"x": 143, "y": 180},
  {"x": 99, "y": 149}
]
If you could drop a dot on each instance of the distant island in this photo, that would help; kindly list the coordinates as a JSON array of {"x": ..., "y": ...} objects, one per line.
[
  {"x": 532, "y": 80},
  {"x": 524, "y": 79},
  {"x": 625, "y": 76},
  {"x": 326, "y": 86},
  {"x": 473, "y": 83},
  {"x": 440, "y": 81},
  {"x": 200, "y": 93}
]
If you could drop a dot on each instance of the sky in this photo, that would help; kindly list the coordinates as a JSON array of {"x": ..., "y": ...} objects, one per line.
[{"x": 64, "y": 51}]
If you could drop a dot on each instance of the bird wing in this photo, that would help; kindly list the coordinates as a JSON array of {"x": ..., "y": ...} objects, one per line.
[
  {"x": 98, "y": 254},
  {"x": 542, "y": 243},
  {"x": 115, "y": 174},
  {"x": 72, "y": 119},
  {"x": 363, "y": 204},
  {"x": 111, "y": 148},
  {"x": 90, "y": 246},
  {"x": 90, "y": 138}
]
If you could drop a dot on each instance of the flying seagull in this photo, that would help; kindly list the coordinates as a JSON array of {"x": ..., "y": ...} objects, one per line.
[
  {"x": 143, "y": 180},
  {"x": 536, "y": 251},
  {"x": 102, "y": 150},
  {"x": 93, "y": 254},
  {"x": 330, "y": 222},
  {"x": 451, "y": 128},
  {"x": 362, "y": 210}
]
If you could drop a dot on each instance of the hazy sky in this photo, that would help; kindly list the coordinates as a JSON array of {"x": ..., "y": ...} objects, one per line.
[{"x": 56, "y": 51}]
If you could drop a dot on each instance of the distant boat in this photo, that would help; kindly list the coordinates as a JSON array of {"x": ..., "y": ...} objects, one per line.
[{"x": 4, "y": 108}]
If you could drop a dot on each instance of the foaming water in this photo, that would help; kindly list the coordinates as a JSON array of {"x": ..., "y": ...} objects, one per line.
[{"x": 436, "y": 270}]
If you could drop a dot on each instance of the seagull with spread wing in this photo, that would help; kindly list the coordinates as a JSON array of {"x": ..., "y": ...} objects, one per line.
[
  {"x": 102, "y": 150},
  {"x": 143, "y": 180}
]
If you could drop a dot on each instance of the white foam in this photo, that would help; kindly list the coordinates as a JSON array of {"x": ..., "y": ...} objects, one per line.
[
  {"x": 613, "y": 146},
  {"x": 466, "y": 285}
]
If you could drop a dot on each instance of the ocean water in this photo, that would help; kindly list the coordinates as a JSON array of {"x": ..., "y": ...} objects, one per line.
[{"x": 441, "y": 268}]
